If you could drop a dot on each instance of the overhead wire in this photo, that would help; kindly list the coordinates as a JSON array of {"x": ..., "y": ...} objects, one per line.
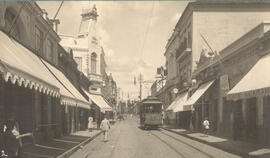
[
  {"x": 147, "y": 32},
  {"x": 147, "y": 29}
]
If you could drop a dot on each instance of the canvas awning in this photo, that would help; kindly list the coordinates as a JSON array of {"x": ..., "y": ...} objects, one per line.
[
  {"x": 69, "y": 94},
  {"x": 99, "y": 101},
  {"x": 255, "y": 83},
  {"x": 197, "y": 94},
  {"x": 23, "y": 67},
  {"x": 179, "y": 105},
  {"x": 172, "y": 105}
]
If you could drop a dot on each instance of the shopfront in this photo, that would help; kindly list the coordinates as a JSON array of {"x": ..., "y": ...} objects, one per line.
[{"x": 251, "y": 95}]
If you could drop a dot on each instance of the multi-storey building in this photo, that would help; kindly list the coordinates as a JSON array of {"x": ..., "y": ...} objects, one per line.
[
  {"x": 90, "y": 58},
  {"x": 34, "y": 92},
  {"x": 211, "y": 25},
  {"x": 87, "y": 50}
]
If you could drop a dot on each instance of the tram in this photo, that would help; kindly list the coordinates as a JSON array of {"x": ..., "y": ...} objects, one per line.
[{"x": 150, "y": 113}]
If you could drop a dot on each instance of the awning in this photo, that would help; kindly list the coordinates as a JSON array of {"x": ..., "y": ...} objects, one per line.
[
  {"x": 198, "y": 93},
  {"x": 24, "y": 68},
  {"x": 99, "y": 101},
  {"x": 255, "y": 83},
  {"x": 69, "y": 94},
  {"x": 179, "y": 105},
  {"x": 173, "y": 104}
]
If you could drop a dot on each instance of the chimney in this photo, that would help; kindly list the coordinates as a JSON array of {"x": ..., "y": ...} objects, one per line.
[{"x": 44, "y": 14}]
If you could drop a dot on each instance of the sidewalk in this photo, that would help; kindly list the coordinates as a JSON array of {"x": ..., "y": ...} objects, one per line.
[
  {"x": 240, "y": 148},
  {"x": 59, "y": 147}
]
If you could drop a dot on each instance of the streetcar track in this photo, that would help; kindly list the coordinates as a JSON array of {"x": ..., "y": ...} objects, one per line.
[
  {"x": 170, "y": 146},
  {"x": 181, "y": 141}
]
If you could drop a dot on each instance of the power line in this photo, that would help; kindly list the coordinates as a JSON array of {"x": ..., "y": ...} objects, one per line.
[{"x": 147, "y": 28}]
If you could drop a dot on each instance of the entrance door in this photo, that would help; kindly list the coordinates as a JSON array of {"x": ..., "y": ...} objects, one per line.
[{"x": 251, "y": 118}]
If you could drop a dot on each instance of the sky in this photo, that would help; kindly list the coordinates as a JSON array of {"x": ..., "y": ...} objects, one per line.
[{"x": 134, "y": 35}]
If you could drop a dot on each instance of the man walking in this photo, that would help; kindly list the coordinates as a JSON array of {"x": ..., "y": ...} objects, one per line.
[{"x": 105, "y": 126}]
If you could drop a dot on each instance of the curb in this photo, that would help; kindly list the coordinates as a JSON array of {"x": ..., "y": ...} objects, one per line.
[
  {"x": 226, "y": 149},
  {"x": 69, "y": 152}
]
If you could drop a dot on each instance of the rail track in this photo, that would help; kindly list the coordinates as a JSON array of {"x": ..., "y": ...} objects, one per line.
[{"x": 182, "y": 148}]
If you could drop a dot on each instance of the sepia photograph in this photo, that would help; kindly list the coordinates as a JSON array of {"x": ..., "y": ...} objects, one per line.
[{"x": 135, "y": 79}]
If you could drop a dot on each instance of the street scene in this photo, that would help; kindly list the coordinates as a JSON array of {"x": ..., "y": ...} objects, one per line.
[{"x": 134, "y": 79}]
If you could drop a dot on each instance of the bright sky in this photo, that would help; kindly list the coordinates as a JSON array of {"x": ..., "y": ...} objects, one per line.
[{"x": 134, "y": 35}]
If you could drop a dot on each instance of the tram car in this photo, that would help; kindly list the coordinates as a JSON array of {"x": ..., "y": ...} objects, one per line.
[{"x": 150, "y": 113}]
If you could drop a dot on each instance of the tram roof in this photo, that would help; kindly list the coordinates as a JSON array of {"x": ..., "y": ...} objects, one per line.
[{"x": 151, "y": 100}]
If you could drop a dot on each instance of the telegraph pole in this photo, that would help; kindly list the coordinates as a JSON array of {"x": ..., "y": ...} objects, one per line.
[{"x": 140, "y": 78}]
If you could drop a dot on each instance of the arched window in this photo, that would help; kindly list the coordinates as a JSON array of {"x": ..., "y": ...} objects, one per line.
[{"x": 93, "y": 62}]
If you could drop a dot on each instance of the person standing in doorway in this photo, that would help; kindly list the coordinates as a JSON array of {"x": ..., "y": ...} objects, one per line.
[{"x": 105, "y": 126}]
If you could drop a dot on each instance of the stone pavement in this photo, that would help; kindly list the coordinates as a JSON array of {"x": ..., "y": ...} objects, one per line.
[
  {"x": 243, "y": 149},
  {"x": 59, "y": 147}
]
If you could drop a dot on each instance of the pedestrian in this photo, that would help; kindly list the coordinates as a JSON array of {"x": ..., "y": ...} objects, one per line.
[
  {"x": 206, "y": 125},
  {"x": 105, "y": 126},
  {"x": 90, "y": 123},
  {"x": 12, "y": 143},
  {"x": 2, "y": 139}
]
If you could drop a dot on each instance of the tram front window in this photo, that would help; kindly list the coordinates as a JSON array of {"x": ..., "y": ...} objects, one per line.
[{"x": 152, "y": 109}]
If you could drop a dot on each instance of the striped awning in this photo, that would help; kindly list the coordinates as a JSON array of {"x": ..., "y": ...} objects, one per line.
[{"x": 24, "y": 68}]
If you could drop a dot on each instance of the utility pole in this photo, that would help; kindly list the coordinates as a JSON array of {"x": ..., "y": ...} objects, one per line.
[{"x": 140, "y": 78}]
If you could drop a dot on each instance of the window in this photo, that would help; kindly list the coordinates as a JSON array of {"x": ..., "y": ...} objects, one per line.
[
  {"x": 79, "y": 62},
  {"x": 38, "y": 40},
  {"x": 93, "y": 62},
  {"x": 49, "y": 50},
  {"x": 9, "y": 21}
]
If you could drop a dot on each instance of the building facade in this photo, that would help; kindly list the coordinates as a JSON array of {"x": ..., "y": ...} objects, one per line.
[
  {"x": 33, "y": 88},
  {"x": 90, "y": 58},
  {"x": 204, "y": 24},
  {"x": 238, "y": 118},
  {"x": 87, "y": 50}
]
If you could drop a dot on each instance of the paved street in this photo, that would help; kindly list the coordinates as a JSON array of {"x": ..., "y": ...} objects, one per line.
[{"x": 127, "y": 140}]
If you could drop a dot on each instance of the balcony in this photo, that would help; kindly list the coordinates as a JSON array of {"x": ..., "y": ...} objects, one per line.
[
  {"x": 95, "y": 78},
  {"x": 183, "y": 49}
]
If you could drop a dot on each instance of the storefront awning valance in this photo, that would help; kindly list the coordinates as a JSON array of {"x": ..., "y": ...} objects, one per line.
[
  {"x": 179, "y": 105},
  {"x": 255, "y": 83},
  {"x": 99, "y": 101},
  {"x": 69, "y": 94},
  {"x": 197, "y": 94},
  {"x": 23, "y": 67}
]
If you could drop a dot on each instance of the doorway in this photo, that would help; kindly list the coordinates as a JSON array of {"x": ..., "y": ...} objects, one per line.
[{"x": 251, "y": 119}]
